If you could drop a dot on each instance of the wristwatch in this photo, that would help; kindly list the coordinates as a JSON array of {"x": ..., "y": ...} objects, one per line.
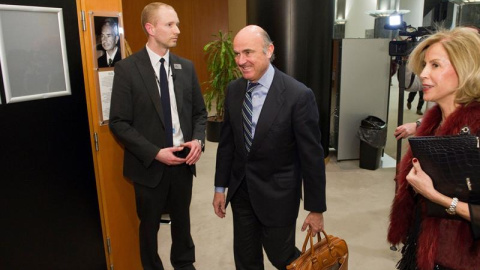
[
  {"x": 418, "y": 122},
  {"x": 452, "y": 210},
  {"x": 202, "y": 145}
]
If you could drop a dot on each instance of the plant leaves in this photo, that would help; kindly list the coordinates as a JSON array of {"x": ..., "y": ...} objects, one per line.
[{"x": 222, "y": 70}]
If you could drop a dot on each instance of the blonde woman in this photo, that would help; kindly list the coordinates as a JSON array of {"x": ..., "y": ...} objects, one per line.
[{"x": 448, "y": 63}]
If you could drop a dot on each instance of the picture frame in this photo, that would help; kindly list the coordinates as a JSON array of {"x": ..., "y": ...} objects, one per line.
[
  {"x": 33, "y": 59},
  {"x": 108, "y": 48}
]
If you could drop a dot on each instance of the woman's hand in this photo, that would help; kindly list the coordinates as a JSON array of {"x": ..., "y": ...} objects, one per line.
[
  {"x": 421, "y": 182},
  {"x": 404, "y": 131}
]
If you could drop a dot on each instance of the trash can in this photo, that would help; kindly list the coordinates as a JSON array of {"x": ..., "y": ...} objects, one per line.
[{"x": 373, "y": 136}]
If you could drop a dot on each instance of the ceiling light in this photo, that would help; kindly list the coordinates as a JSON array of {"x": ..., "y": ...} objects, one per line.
[
  {"x": 386, "y": 13},
  {"x": 461, "y": 2}
]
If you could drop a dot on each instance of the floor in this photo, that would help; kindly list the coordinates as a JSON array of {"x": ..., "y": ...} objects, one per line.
[{"x": 358, "y": 202}]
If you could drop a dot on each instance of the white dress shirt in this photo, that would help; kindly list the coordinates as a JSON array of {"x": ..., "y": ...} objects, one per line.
[{"x": 155, "y": 59}]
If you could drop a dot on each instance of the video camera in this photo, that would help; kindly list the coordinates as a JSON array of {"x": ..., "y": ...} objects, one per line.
[{"x": 404, "y": 47}]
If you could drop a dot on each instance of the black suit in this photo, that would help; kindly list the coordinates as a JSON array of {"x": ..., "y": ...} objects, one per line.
[
  {"x": 136, "y": 119},
  {"x": 103, "y": 62},
  {"x": 286, "y": 149}
]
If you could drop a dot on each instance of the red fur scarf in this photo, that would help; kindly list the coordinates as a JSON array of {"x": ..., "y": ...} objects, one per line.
[{"x": 446, "y": 242}]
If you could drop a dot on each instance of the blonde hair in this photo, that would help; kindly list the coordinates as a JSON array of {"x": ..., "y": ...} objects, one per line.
[
  {"x": 463, "y": 48},
  {"x": 149, "y": 15}
]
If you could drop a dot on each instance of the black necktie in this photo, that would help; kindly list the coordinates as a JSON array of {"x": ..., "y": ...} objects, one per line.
[
  {"x": 165, "y": 96},
  {"x": 110, "y": 61},
  {"x": 247, "y": 112}
]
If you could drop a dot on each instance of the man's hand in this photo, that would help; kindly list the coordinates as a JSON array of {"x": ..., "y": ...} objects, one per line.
[
  {"x": 219, "y": 204},
  {"x": 404, "y": 131},
  {"x": 315, "y": 222},
  {"x": 165, "y": 155},
  {"x": 195, "y": 151}
]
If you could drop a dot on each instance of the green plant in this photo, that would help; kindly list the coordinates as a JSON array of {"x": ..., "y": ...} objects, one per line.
[{"x": 222, "y": 70}]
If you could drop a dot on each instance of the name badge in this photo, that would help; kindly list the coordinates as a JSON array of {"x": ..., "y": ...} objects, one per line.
[{"x": 177, "y": 66}]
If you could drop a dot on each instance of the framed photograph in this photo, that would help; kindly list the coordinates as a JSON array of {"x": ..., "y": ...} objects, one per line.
[
  {"x": 107, "y": 44},
  {"x": 33, "y": 53},
  {"x": 108, "y": 38}
]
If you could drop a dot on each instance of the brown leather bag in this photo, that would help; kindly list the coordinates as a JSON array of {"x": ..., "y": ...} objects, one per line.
[{"x": 329, "y": 253}]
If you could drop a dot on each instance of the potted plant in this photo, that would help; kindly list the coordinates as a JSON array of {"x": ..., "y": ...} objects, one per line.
[{"x": 222, "y": 70}]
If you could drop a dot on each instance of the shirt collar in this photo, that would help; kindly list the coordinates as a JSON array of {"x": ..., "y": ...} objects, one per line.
[
  {"x": 113, "y": 54},
  {"x": 267, "y": 78},
  {"x": 155, "y": 58}
]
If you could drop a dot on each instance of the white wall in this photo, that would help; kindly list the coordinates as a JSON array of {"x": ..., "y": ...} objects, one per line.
[
  {"x": 357, "y": 18},
  {"x": 415, "y": 16}
]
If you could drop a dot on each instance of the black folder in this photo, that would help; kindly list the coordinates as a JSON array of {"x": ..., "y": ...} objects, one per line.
[{"x": 453, "y": 163}]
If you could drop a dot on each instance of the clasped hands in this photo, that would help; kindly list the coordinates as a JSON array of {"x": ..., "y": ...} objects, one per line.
[{"x": 167, "y": 155}]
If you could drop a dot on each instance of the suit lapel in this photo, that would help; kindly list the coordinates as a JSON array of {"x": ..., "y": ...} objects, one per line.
[
  {"x": 236, "y": 105},
  {"x": 177, "y": 88},
  {"x": 272, "y": 105},
  {"x": 148, "y": 76}
]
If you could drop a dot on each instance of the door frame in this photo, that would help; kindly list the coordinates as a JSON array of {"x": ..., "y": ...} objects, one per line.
[{"x": 115, "y": 193}]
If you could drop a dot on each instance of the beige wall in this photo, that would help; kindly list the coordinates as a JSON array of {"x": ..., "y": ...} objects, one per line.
[{"x": 237, "y": 15}]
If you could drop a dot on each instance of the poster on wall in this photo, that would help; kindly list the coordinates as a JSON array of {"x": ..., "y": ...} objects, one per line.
[
  {"x": 107, "y": 42},
  {"x": 33, "y": 54},
  {"x": 105, "y": 82}
]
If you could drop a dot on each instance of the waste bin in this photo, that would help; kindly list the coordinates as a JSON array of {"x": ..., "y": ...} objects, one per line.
[{"x": 373, "y": 136}]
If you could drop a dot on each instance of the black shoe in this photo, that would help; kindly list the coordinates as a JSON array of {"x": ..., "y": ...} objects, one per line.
[
  {"x": 409, "y": 105},
  {"x": 419, "y": 112}
]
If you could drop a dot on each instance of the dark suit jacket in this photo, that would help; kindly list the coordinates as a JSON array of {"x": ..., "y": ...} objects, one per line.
[
  {"x": 136, "y": 115},
  {"x": 286, "y": 149},
  {"x": 102, "y": 60}
]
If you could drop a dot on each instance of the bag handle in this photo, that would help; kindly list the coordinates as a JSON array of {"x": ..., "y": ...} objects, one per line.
[{"x": 310, "y": 237}]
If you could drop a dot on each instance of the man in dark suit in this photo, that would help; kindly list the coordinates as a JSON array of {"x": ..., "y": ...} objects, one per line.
[
  {"x": 160, "y": 150},
  {"x": 269, "y": 143},
  {"x": 110, "y": 38}
]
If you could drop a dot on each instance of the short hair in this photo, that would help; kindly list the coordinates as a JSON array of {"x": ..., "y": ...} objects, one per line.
[
  {"x": 267, "y": 41},
  {"x": 463, "y": 49},
  {"x": 111, "y": 22},
  {"x": 149, "y": 15}
]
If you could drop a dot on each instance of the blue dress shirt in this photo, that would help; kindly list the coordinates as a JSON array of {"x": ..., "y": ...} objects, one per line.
[{"x": 259, "y": 94}]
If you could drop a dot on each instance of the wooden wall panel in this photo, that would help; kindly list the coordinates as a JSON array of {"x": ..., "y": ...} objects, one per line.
[
  {"x": 209, "y": 18},
  {"x": 237, "y": 15},
  {"x": 116, "y": 193},
  {"x": 199, "y": 19},
  {"x": 131, "y": 23}
]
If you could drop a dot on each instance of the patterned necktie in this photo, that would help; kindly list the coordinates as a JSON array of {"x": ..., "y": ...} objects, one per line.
[
  {"x": 110, "y": 61},
  {"x": 247, "y": 111},
  {"x": 165, "y": 97}
]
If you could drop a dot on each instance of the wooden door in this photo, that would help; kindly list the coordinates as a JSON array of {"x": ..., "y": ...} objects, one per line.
[
  {"x": 48, "y": 201},
  {"x": 116, "y": 194}
]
